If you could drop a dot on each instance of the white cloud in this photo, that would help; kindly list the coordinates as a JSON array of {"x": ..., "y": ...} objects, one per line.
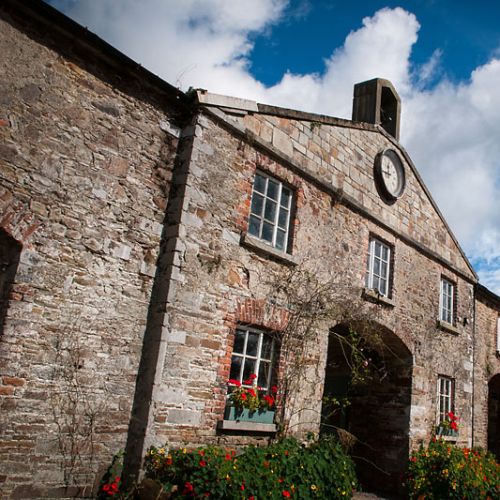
[{"x": 451, "y": 130}]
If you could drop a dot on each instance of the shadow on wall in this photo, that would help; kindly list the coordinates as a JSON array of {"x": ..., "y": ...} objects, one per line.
[{"x": 10, "y": 251}]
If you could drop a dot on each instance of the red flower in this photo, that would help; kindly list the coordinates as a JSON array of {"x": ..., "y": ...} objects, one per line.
[
  {"x": 244, "y": 397},
  {"x": 251, "y": 497},
  {"x": 117, "y": 479},
  {"x": 242, "y": 487},
  {"x": 252, "y": 376},
  {"x": 105, "y": 487},
  {"x": 169, "y": 461},
  {"x": 188, "y": 488},
  {"x": 202, "y": 463},
  {"x": 232, "y": 381},
  {"x": 201, "y": 452},
  {"x": 228, "y": 456},
  {"x": 454, "y": 426},
  {"x": 114, "y": 487},
  {"x": 252, "y": 393},
  {"x": 280, "y": 480},
  {"x": 413, "y": 459},
  {"x": 274, "y": 389},
  {"x": 286, "y": 494},
  {"x": 452, "y": 416}
]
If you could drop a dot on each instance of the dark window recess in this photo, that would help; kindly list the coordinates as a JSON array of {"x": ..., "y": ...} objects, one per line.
[{"x": 10, "y": 251}]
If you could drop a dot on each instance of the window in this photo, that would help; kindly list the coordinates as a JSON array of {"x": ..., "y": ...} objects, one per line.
[
  {"x": 270, "y": 211},
  {"x": 254, "y": 352},
  {"x": 447, "y": 301},
  {"x": 446, "y": 397},
  {"x": 378, "y": 267}
]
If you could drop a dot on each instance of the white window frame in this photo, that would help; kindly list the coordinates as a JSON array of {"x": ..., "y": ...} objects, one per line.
[
  {"x": 445, "y": 397},
  {"x": 447, "y": 301},
  {"x": 376, "y": 259},
  {"x": 257, "y": 359},
  {"x": 259, "y": 217}
]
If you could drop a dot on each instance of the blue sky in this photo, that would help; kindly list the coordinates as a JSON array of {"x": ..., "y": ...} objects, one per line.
[{"x": 442, "y": 56}]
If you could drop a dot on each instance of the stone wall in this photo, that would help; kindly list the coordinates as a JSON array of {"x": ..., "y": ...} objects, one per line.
[
  {"x": 487, "y": 363},
  {"x": 221, "y": 269},
  {"x": 86, "y": 159}
]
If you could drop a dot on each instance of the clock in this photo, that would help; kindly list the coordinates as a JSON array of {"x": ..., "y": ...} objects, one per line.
[{"x": 390, "y": 176}]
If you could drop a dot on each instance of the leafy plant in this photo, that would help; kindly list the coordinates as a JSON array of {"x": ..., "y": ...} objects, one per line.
[
  {"x": 446, "y": 471},
  {"x": 286, "y": 469}
]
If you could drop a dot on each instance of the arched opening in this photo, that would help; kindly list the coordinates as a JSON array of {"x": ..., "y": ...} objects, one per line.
[
  {"x": 494, "y": 416},
  {"x": 10, "y": 250},
  {"x": 377, "y": 413}
]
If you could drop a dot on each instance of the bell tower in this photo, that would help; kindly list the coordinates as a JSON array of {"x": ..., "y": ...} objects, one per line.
[{"x": 376, "y": 101}]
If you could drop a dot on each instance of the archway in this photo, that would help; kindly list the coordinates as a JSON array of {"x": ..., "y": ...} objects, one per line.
[
  {"x": 378, "y": 413},
  {"x": 10, "y": 250},
  {"x": 494, "y": 416}
]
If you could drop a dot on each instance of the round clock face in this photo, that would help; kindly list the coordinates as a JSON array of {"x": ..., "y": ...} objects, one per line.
[{"x": 390, "y": 174}]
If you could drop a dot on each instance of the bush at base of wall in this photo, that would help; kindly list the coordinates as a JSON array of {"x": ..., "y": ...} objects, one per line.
[
  {"x": 286, "y": 469},
  {"x": 446, "y": 471}
]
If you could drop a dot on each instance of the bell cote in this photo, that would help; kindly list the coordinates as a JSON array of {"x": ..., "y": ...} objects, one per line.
[{"x": 376, "y": 101}]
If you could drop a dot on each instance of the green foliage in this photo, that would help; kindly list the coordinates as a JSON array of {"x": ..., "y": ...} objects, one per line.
[
  {"x": 286, "y": 469},
  {"x": 444, "y": 471},
  {"x": 110, "y": 482}
]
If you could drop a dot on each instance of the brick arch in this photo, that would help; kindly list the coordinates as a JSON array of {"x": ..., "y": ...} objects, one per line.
[
  {"x": 17, "y": 219},
  {"x": 379, "y": 412}
]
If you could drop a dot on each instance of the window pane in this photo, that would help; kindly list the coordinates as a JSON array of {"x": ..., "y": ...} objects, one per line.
[
  {"x": 378, "y": 248},
  {"x": 376, "y": 283},
  {"x": 235, "y": 367},
  {"x": 249, "y": 368},
  {"x": 383, "y": 270},
  {"x": 280, "y": 240},
  {"x": 385, "y": 253},
  {"x": 286, "y": 197},
  {"x": 257, "y": 203},
  {"x": 260, "y": 183},
  {"x": 270, "y": 212},
  {"x": 263, "y": 374},
  {"x": 267, "y": 346},
  {"x": 376, "y": 267},
  {"x": 267, "y": 232},
  {"x": 283, "y": 218},
  {"x": 254, "y": 226},
  {"x": 272, "y": 189},
  {"x": 239, "y": 341},
  {"x": 252, "y": 344}
]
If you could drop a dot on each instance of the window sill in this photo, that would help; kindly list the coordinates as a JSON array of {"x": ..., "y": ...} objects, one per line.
[
  {"x": 374, "y": 296},
  {"x": 451, "y": 439},
  {"x": 240, "y": 426},
  {"x": 447, "y": 327},
  {"x": 269, "y": 251}
]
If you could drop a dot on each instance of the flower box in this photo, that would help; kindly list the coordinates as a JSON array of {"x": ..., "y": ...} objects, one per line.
[
  {"x": 446, "y": 432},
  {"x": 247, "y": 415}
]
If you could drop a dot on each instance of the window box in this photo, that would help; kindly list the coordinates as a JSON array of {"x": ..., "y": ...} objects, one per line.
[
  {"x": 446, "y": 432},
  {"x": 246, "y": 415}
]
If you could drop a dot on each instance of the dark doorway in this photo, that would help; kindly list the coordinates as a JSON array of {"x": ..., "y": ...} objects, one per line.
[
  {"x": 494, "y": 416},
  {"x": 10, "y": 251},
  {"x": 378, "y": 414}
]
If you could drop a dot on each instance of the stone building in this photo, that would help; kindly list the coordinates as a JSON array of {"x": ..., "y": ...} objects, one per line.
[{"x": 143, "y": 233}]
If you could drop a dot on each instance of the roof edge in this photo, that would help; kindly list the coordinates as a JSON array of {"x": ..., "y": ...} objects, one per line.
[
  {"x": 482, "y": 291},
  {"x": 44, "y": 13}
]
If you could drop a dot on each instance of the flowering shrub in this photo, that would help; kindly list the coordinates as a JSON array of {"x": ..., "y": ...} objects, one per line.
[
  {"x": 286, "y": 469},
  {"x": 252, "y": 397},
  {"x": 110, "y": 483},
  {"x": 445, "y": 471},
  {"x": 450, "y": 423}
]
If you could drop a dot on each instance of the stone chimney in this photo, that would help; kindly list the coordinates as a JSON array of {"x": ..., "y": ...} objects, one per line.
[{"x": 376, "y": 101}]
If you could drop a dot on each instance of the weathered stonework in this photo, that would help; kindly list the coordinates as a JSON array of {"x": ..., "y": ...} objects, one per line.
[
  {"x": 86, "y": 161},
  {"x": 124, "y": 211}
]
